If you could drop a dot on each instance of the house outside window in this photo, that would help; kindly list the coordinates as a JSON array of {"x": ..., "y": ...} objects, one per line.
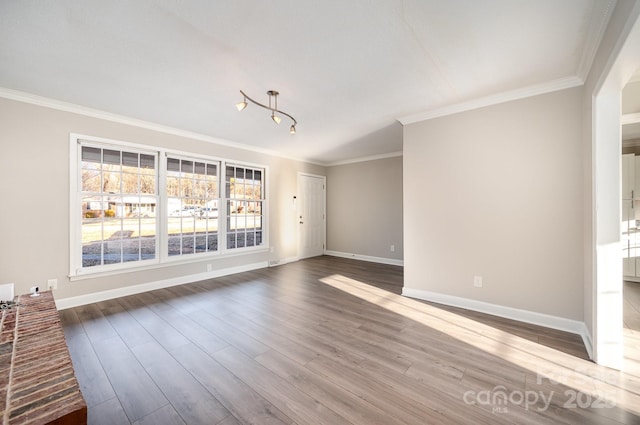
[
  {"x": 192, "y": 206},
  {"x": 137, "y": 206},
  {"x": 118, "y": 206},
  {"x": 244, "y": 188}
]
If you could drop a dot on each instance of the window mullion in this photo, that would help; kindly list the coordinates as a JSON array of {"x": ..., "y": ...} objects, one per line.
[{"x": 162, "y": 209}]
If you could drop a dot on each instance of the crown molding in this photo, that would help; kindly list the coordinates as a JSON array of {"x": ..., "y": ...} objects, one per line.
[
  {"x": 365, "y": 159},
  {"x": 534, "y": 90},
  {"x": 596, "y": 29},
  {"x": 121, "y": 119}
]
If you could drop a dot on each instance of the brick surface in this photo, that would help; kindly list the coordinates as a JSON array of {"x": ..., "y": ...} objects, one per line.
[{"x": 37, "y": 382}]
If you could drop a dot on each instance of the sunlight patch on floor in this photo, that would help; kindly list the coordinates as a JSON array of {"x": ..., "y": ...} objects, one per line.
[{"x": 544, "y": 362}]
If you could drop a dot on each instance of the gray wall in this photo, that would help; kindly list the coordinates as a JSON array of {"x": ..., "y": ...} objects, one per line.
[
  {"x": 34, "y": 171},
  {"x": 499, "y": 194},
  {"x": 364, "y": 208},
  {"x": 631, "y": 98}
]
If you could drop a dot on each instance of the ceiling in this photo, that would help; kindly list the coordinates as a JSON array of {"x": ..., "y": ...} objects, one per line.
[{"x": 350, "y": 72}]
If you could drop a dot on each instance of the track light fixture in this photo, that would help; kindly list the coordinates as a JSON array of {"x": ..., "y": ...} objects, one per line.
[{"x": 273, "y": 95}]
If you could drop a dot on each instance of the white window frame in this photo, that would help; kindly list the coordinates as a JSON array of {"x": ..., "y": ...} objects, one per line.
[
  {"x": 183, "y": 157},
  {"x": 262, "y": 200},
  {"x": 77, "y": 272}
]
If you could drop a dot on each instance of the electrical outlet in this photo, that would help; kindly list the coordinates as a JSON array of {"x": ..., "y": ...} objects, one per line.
[
  {"x": 393, "y": 248},
  {"x": 477, "y": 281},
  {"x": 209, "y": 267},
  {"x": 52, "y": 284}
]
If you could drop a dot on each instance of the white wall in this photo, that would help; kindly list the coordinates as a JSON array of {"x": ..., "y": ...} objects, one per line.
[
  {"x": 497, "y": 192},
  {"x": 364, "y": 209},
  {"x": 34, "y": 215}
]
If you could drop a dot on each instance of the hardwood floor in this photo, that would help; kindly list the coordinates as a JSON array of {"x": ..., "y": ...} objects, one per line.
[
  {"x": 329, "y": 341},
  {"x": 631, "y": 329}
]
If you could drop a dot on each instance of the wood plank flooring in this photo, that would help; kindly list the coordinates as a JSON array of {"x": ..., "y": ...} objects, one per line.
[
  {"x": 329, "y": 341},
  {"x": 631, "y": 329}
]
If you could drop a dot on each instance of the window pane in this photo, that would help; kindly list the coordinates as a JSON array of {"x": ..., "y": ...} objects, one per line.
[
  {"x": 257, "y": 192},
  {"x": 119, "y": 226},
  {"x": 129, "y": 162},
  {"x": 192, "y": 206},
  {"x": 147, "y": 161},
  {"x": 188, "y": 224},
  {"x": 111, "y": 182},
  {"x": 200, "y": 168},
  {"x": 201, "y": 242},
  {"x": 231, "y": 240},
  {"x": 147, "y": 248},
  {"x": 186, "y": 187},
  {"x": 187, "y": 245},
  {"x": 240, "y": 240},
  {"x": 91, "y": 154},
  {"x": 92, "y": 255},
  {"x": 212, "y": 242},
  {"x": 111, "y": 157},
  {"x": 148, "y": 184},
  {"x": 212, "y": 223},
  {"x": 130, "y": 183},
  {"x": 112, "y": 252},
  {"x": 244, "y": 206},
  {"x": 173, "y": 164},
  {"x": 91, "y": 180},
  {"x": 173, "y": 186},
  {"x": 174, "y": 245},
  {"x": 131, "y": 250},
  {"x": 200, "y": 189},
  {"x": 249, "y": 238},
  {"x": 212, "y": 170},
  {"x": 187, "y": 168},
  {"x": 212, "y": 188},
  {"x": 91, "y": 231}
]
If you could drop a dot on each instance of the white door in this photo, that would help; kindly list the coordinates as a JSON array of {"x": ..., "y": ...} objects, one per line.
[{"x": 311, "y": 213}]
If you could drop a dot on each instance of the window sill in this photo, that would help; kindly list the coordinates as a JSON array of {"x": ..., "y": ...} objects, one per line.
[{"x": 170, "y": 262}]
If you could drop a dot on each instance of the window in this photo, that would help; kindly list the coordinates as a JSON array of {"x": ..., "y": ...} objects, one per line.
[
  {"x": 138, "y": 206},
  {"x": 118, "y": 204},
  {"x": 244, "y": 196},
  {"x": 192, "y": 206}
]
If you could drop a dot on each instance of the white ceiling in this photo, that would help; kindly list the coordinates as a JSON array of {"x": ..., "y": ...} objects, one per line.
[{"x": 348, "y": 71}]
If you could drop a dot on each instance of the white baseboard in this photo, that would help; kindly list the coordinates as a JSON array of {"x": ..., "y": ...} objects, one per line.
[
  {"x": 282, "y": 261},
  {"x": 95, "y": 297},
  {"x": 540, "y": 319},
  {"x": 382, "y": 260},
  {"x": 586, "y": 339}
]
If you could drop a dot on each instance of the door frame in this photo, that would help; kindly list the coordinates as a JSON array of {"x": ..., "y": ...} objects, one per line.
[
  {"x": 324, "y": 212},
  {"x": 605, "y": 298}
]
